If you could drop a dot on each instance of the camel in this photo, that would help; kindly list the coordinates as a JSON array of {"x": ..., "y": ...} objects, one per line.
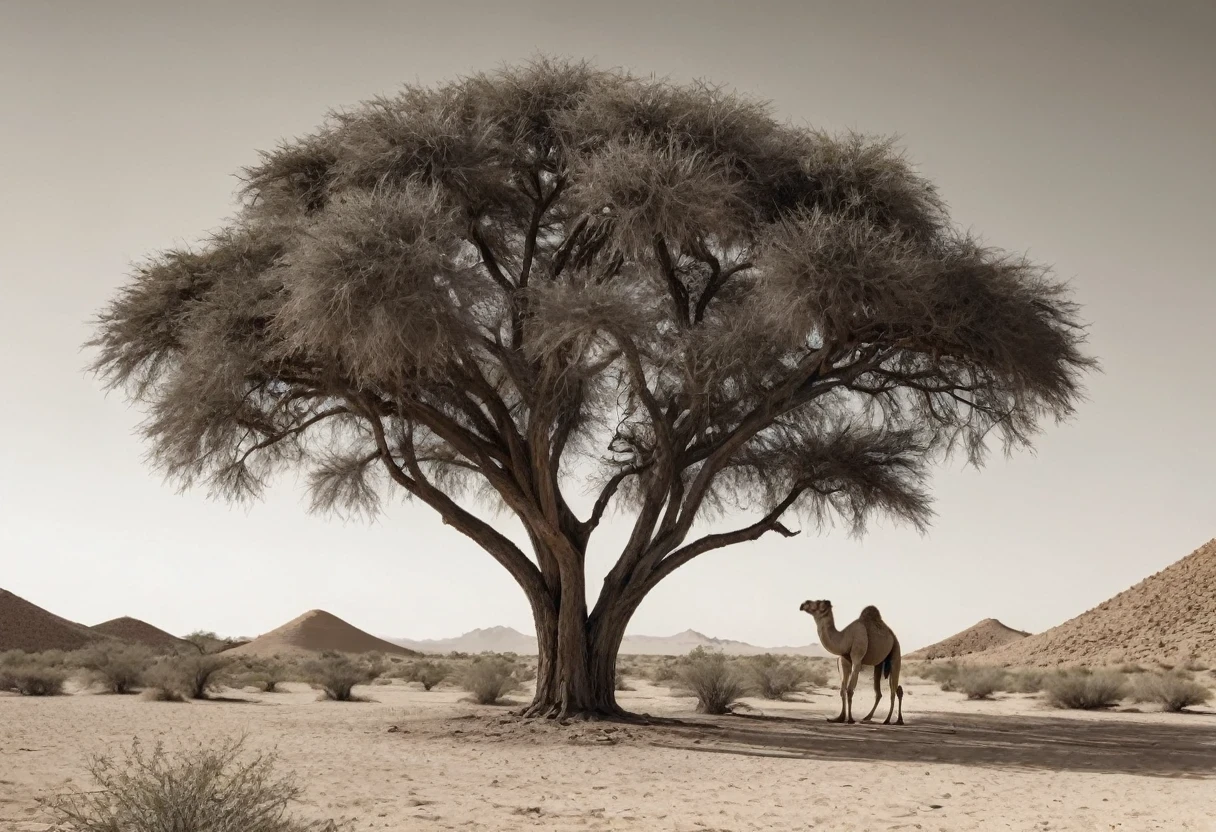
[{"x": 867, "y": 642}]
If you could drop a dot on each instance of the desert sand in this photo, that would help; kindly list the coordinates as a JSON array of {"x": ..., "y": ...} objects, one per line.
[{"x": 415, "y": 760}]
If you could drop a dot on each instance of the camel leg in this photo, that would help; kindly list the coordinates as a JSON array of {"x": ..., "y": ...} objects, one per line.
[
  {"x": 877, "y": 692},
  {"x": 853, "y": 686},
  {"x": 897, "y": 693},
  {"x": 846, "y": 670}
]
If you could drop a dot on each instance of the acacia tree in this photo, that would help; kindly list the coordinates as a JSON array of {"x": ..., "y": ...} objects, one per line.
[{"x": 487, "y": 291}]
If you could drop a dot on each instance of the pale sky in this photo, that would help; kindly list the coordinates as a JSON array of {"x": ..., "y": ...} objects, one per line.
[{"x": 1080, "y": 133}]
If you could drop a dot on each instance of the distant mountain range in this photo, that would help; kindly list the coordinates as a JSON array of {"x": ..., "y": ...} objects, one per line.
[{"x": 509, "y": 640}]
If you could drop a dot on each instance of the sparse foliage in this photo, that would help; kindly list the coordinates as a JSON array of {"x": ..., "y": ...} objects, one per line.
[
  {"x": 713, "y": 680},
  {"x": 1083, "y": 690},
  {"x": 118, "y": 668},
  {"x": 490, "y": 678},
  {"x": 498, "y": 285},
  {"x": 191, "y": 676},
  {"x": 1174, "y": 692},
  {"x": 980, "y": 682},
  {"x": 216, "y": 787},
  {"x": 33, "y": 678},
  {"x": 429, "y": 673},
  {"x": 337, "y": 675},
  {"x": 773, "y": 677}
]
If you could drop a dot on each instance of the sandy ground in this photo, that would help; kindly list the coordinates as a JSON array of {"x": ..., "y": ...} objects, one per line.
[{"x": 415, "y": 760}]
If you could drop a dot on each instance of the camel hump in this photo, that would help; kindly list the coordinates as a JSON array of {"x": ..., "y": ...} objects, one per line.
[{"x": 871, "y": 613}]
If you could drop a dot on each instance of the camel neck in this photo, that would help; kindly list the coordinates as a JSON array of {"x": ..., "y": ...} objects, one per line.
[{"x": 829, "y": 636}]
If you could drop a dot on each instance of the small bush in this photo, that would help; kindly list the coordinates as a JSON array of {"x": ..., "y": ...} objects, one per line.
[
  {"x": 194, "y": 676},
  {"x": 428, "y": 673},
  {"x": 337, "y": 675},
  {"x": 490, "y": 678},
  {"x": 621, "y": 683},
  {"x": 979, "y": 682},
  {"x": 1172, "y": 691},
  {"x": 1023, "y": 681},
  {"x": 118, "y": 668},
  {"x": 34, "y": 679},
  {"x": 775, "y": 678},
  {"x": 945, "y": 674},
  {"x": 664, "y": 672},
  {"x": 712, "y": 680},
  {"x": 212, "y": 788},
  {"x": 1080, "y": 690},
  {"x": 159, "y": 693}
]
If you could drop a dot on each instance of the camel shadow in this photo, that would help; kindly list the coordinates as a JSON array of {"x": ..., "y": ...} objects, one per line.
[{"x": 1013, "y": 742}]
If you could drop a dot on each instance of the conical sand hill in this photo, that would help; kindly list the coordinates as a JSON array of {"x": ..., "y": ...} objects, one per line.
[
  {"x": 985, "y": 635},
  {"x": 317, "y": 630},
  {"x": 139, "y": 632},
  {"x": 1169, "y": 617},
  {"x": 26, "y": 626}
]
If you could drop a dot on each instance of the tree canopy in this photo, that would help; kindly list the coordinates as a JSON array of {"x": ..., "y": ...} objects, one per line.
[{"x": 491, "y": 289}]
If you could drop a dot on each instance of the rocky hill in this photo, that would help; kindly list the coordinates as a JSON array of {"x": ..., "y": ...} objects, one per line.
[
  {"x": 985, "y": 635},
  {"x": 1169, "y": 617}
]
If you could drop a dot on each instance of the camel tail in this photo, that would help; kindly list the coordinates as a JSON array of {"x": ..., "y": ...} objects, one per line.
[{"x": 886, "y": 665}]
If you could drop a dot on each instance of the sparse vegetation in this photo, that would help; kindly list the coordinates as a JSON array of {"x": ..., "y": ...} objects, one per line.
[
  {"x": 193, "y": 676},
  {"x": 621, "y": 682},
  {"x": 711, "y": 678},
  {"x": 1174, "y": 692},
  {"x": 428, "y": 673},
  {"x": 217, "y": 787},
  {"x": 774, "y": 677},
  {"x": 490, "y": 678},
  {"x": 1085, "y": 690},
  {"x": 117, "y": 668},
  {"x": 979, "y": 682},
  {"x": 33, "y": 678},
  {"x": 1026, "y": 680},
  {"x": 337, "y": 675}
]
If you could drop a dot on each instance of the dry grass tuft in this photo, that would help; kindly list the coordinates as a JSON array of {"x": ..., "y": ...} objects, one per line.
[
  {"x": 713, "y": 680},
  {"x": 216, "y": 787},
  {"x": 490, "y": 678},
  {"x": 1083, "y": 690},
  {"x": 1174, "y": 692}
]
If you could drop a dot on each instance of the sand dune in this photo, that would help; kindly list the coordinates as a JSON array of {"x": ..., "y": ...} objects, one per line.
[
  {"x": 139, "y": 632},
  {"x": 985, "y": 635},
  {"x": 317, "y": 630},
  {"x": 26, "y": 626},
  {"x": 1168, "y": 617}
]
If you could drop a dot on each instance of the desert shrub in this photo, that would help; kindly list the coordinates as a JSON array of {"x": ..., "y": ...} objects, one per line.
[
  {"x": 818, "y": 674},
  {"x": 428, "y": 673},
  {"x": 194, "y": 675},
  {"x": 336, "y": 676},
  {"x": 490, "y": 678},
  {"x": 1081, "y": 690},
  {"x": 773, "y": 677},
  {"x": 216, "y": 787},
  {"x": 620, "y": 682},
  {"x": 711, "y": 678},
  {"x": 33, "y": 679},
  {"x": 1174, "y": 692},
  {"x": 664, "y": 672},
  {"x": 376, "y": 663},
  {"x": 944, "y": 674},
  {"x": 264, "y": 674},
  {"x": 1023, "y": 681},
  {"x": 118, "y": 668},
  {"x": 979, "y": 682},
  {"x": 1131, "y": 668}
]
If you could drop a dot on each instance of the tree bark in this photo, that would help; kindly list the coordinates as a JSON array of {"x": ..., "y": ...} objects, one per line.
[{"x": 576, "y": 670}]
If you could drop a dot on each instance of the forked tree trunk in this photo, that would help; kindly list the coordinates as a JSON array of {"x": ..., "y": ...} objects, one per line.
[{"x": 576, "y": 670}]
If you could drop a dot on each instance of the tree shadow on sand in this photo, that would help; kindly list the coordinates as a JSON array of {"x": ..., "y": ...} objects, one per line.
[{"x": 1018, "y": 742}]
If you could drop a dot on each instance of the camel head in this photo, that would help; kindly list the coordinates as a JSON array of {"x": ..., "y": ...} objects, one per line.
[{"x": 817, "y": 609}]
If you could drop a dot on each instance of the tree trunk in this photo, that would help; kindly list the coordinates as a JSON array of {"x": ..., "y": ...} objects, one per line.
[{"x": 576, "y": 670}]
